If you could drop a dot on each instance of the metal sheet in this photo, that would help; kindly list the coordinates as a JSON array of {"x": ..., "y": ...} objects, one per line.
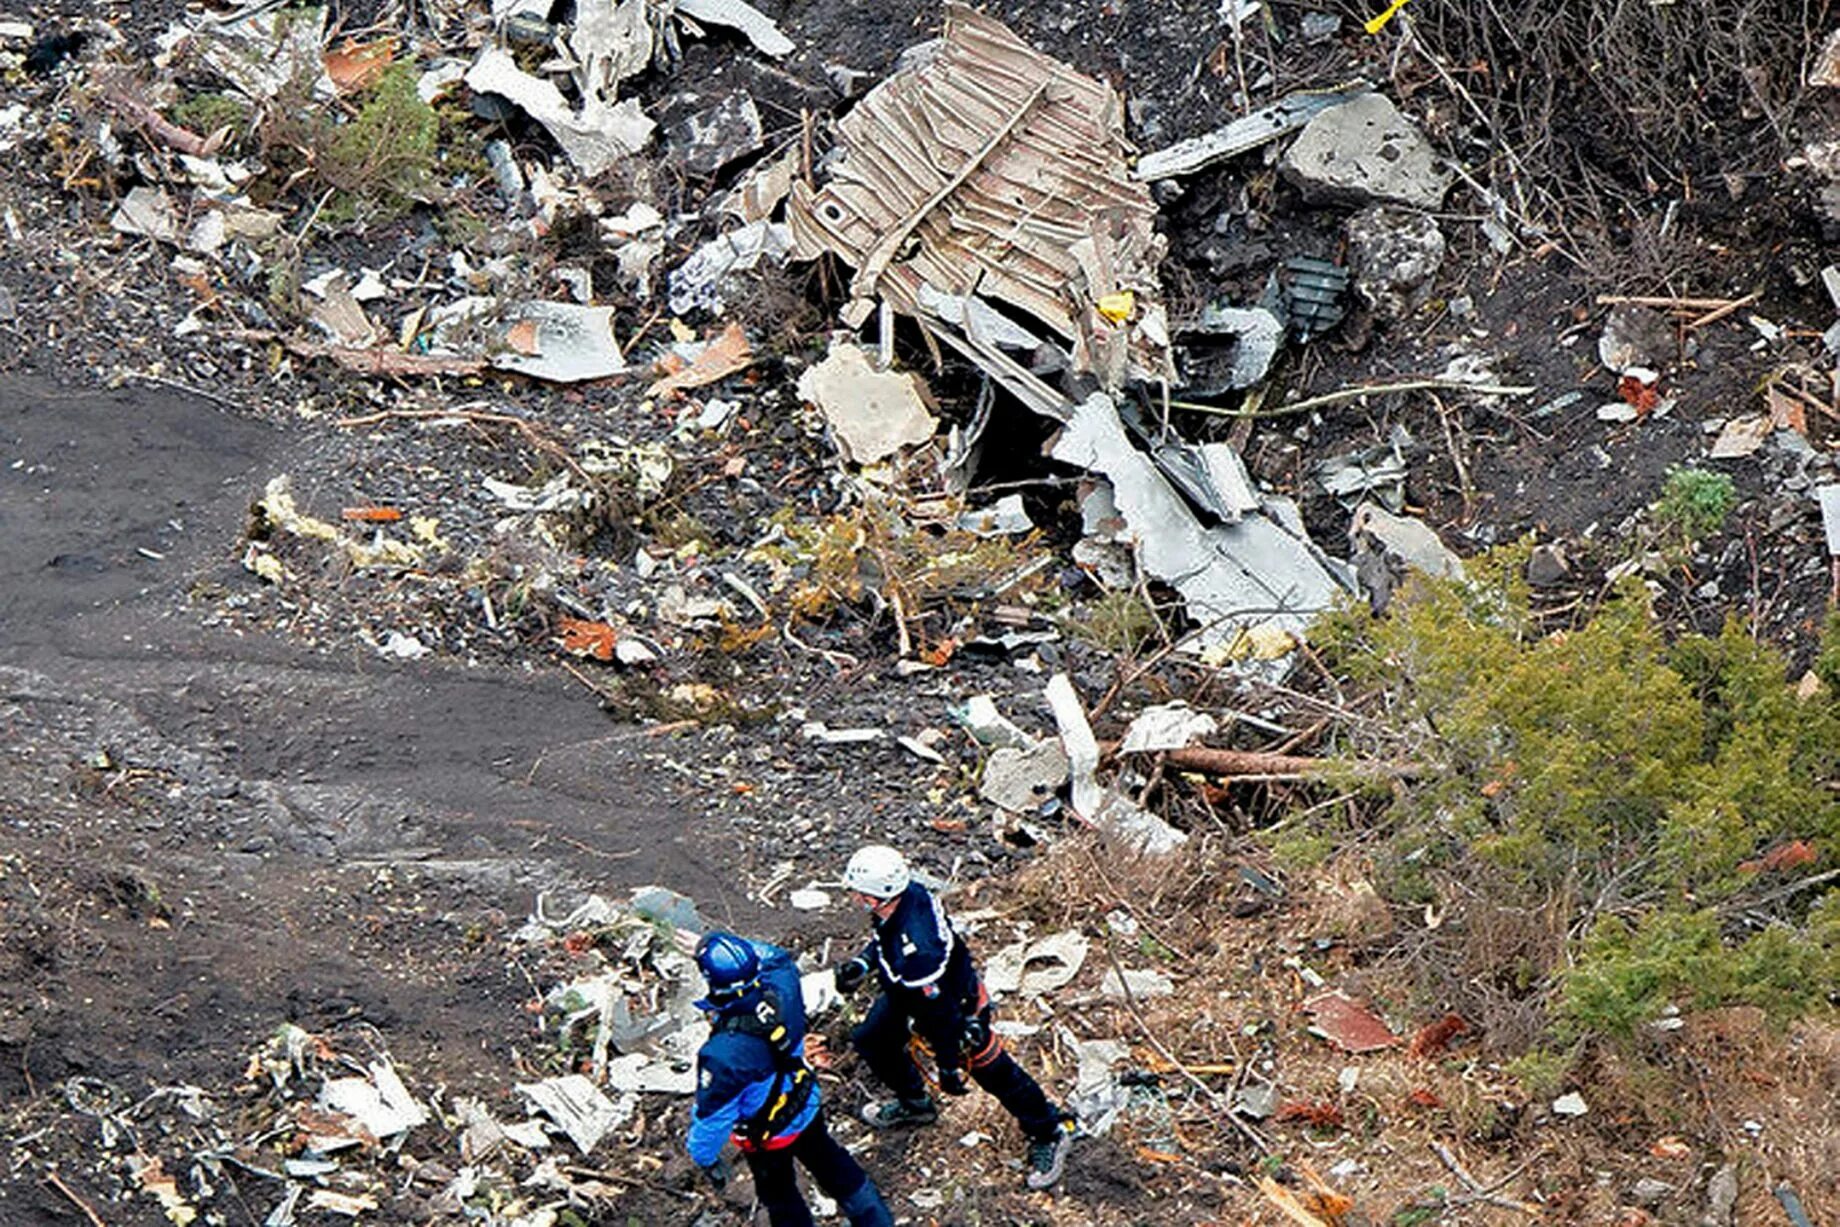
[{"x": 990, "y": 168}]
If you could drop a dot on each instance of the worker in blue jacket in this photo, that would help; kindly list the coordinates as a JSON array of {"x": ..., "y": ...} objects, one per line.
[
  {"x": 752, "y": 1083},
  {"x": 930, "y": 989}
]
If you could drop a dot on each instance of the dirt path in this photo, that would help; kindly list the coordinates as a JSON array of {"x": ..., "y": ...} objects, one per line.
[{"x": 209, "y": 833}]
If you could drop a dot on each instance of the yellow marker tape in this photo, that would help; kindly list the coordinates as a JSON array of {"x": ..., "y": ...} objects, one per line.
[{"x": 1376, "y": 24}]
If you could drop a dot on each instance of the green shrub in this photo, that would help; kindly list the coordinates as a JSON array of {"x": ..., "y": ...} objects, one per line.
[
  {"x": 1626, "y": 974},
  {"x": 1542, "y": 1071},
  {"x": 381, "y": 159},
  {"x": 206, "y": 113},
  {"x": 1119, "y": 622},
  {"x": 1694, "y": 502},
  {"x": 386, "y": 153},
  {"x": 1633, "y": 783}
]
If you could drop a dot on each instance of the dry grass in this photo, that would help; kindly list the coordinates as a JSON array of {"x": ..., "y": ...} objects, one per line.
[
  {"x": 1238, "y": 1005},
  {"x": 1594, "y": 115}
]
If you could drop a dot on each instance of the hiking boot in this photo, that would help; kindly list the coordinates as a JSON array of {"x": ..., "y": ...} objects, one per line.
[
  {"x": 1048, "y": 1156},
  {"x": 900, "y": 1113}
]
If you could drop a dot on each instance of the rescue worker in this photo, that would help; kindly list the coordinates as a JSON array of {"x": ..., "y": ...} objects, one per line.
[
  {"x": 930, "y": 989},
  {"x": 752, "y": 1083}
]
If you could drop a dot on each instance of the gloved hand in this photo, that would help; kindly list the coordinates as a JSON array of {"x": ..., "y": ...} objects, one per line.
[
  {"x": 953, "y": 1082},
  {"x": 717, "y": 1174},
  {"x": 850, "y": 975}
]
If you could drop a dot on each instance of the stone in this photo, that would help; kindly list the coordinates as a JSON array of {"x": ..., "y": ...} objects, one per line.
[
  {"x": 1570, "y": 1104},
  {"x": 1721, "y": 1197},
  {"x": 1394, "y": 254},
  {"x": 1259, "y": 1101},
  {"x": 1547, "y": 566},
  {"x": 1358, "y": 915},
  {"x": 1019, "y": 780},
  {"x": 1635, "y": 336},
  {"x": 1649, "y": 1192},
  {"x": 1365, "y": 151}
]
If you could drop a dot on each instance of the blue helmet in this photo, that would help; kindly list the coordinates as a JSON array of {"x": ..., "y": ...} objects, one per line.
[{"x": 730, "y": 965}]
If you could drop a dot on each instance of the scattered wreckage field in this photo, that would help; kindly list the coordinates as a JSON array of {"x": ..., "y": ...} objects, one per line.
[
  {"x": 208, "y": 834},
  {"x": 455, "y": 546}
]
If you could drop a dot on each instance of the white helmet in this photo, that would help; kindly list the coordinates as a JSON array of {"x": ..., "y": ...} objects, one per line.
[{"x": 878, "y": 871}]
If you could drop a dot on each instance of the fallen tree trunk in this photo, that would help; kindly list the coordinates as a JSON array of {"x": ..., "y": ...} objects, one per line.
[{"x": 1267, "y": 766}]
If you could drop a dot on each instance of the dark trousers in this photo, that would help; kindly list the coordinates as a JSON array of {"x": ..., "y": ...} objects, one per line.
[
  {"x": 881, "y": 1041},
  {"x": 839, "y": 1175}
]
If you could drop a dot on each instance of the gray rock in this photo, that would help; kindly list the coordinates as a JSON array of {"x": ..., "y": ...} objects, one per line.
[
  {"x": 1635, "y": 336},
  {"x": 1548, "y": 566},
  {"x": 1319, "y": 27},
  {"x": 1020, "y": 780},
  {"x": 1363, "y": 151},
  {"x": 1649, "y": 1192},
  {"x": 1257, "y": 1101},
  {"x": 1394, "y": 254},
  {"x": 1721, "y": 1197}
]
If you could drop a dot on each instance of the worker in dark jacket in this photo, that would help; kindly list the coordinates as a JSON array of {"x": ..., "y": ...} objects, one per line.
[
  {"x": 931, "y": 990},
  {"x": 752, "y": 1083}
]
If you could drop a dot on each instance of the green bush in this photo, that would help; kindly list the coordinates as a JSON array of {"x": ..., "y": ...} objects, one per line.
[
  {"x": 381, "y": 159},
  {"x": 1118, "y": 621},
  {"x": 1694, "y": 502},
  {"x": 1635, "y": 782},
  {"x": 387, "y": 151}
]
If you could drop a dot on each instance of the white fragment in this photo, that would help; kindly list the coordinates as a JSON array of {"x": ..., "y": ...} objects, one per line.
[
  {"x": 578, "y": 1107},
  {"x": 403, "y": 646},
  {"x": 147, "y": 212},
  {"x": 1137, "y": 982},
  {"x": 873, "y": 413},
  {"x": 758, "y": 28},
  {"x": 1168, "y": 726}
]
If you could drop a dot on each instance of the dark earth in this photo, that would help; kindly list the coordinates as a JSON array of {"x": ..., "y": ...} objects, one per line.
[{"x": 222, "y": 808}]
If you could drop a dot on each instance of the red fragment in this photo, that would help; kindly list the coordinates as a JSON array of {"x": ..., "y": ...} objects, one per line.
[
  {"x": 1320, "y": 1113},
  {"x": 1424, "y": 1098},
  {"x": 1642, "y": 395},
  {"x": 1436, "y": 1037},
  {"x": 1348, "y": 1024},
  {"x": 1792, "y": 855},
  {"x": 579, "y": 942},
  {"x": 583, "y": 638}
]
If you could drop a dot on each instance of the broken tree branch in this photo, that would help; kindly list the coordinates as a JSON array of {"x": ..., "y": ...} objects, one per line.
[
  {"x": 1130, "y": 1001},
  {"x": 1793, "y": 888},
  {"x": 1268, "y": 765},
  {"x": 56, "y": 1182},
  {"x": 1672, "y": 304},
  {"x": 840, "y": 661},
  {"x": 142, "y": 115},
  {"x": 1360, "y": 390},
  {"x": 1718, "y": 313},
  {"x": 365, "y": 361},
  {"x": 1476, "y": 1191},
  {"x": 1287, "y": 1202}
]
